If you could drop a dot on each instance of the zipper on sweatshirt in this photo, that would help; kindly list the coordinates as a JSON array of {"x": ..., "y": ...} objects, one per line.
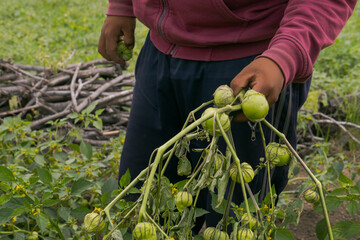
[
  {"x": 162, "y": 18},
  {"x": 173, "y": 49}
]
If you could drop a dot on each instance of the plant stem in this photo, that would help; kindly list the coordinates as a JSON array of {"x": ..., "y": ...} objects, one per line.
[
  {"x": 268, "y": 172},
  {"x": 297, "y": 179},
  {"x": 123, "y": 220},
  {"x": 213, "y": 142},
  {"x": 317, "y": 182},
  {"x": 173, "y": 140},
  {"x": 257, "y": 209},
  {"x": 228, "y": 204},
  {"x": 56, "y": 227},
  {"x": 156, "y": 225},
  {"x": 122, "y": 193},
  {"x": 237, "y": 161}
]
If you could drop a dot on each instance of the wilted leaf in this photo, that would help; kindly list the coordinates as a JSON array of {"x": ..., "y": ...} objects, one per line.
[{"x": 293, "y": 211}]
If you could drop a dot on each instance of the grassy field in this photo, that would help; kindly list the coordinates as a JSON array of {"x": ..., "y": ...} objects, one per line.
[{"x": 47, "y": 32}]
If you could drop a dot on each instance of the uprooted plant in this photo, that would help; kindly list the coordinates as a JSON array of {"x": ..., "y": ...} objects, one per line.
[{"x": 167, "y": 210}]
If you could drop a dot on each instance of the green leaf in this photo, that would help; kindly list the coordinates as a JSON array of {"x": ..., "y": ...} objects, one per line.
[
  {"x": 50, "y": 202},
  {"x": 64, "y": 213},
  {"x": 283, "y": 234},
  {"x": 61, "y": 156},
  {"x": 125, "y": 179},
  {"x": 86, "y": 149},
  {"x": 80, "y": 212},
  {"x": 9, "y": 137},
  {"x": 5, "y": 215},
  {"x": 109, "y": 186},
  {"x": 90, "y": 108},
  {"x": 321, "y": 230},
  {"x": 221, "y": 186},
  {"x": 42, "y": 220},
  {"x": 219, "y": 208},
  {"x": 344, "y": 180},
  {"x": 332, "y": 203},
  {"x": 4, "y": 187},
  {"x": 346, "y": 229},
  {"x": 353, "y": 207},
  {"x": 116, "y": 235},
  {"x": 98, "y": 124},
  {"x": 4, "y": 199},
  {"x": 39, "y": 159},
  {"x": 293, "y": 211},
  {"x": 80, "y": 186},
  {"x": 6, "y": 175},
  {"x": 183, "y": 167},
  {"x": 44, "y": 175},
  {"x": 74, "y": 115},
  {"x": 74, "y": 147},
  {"x": 99, "y": 111},
  {"x": 331, "y": 173},
  {"x": 338, "y": 166},
  {"x": 18, "y": 211},
  {"x": 200, "y": 212},
  {"x": 105, "y": 198}
]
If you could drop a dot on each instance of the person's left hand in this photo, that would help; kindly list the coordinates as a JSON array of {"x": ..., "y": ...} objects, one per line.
[{"x": 262, "y": 75}]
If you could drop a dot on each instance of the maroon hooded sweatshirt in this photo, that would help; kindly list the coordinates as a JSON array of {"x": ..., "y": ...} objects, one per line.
[{"x": 291, "y": 33}]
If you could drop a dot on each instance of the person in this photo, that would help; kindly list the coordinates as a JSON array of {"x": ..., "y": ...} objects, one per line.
[{"x": 194, "y": 46}]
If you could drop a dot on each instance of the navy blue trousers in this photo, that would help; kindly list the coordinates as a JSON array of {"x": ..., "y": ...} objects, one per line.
[{"x": 167, "y": 89}]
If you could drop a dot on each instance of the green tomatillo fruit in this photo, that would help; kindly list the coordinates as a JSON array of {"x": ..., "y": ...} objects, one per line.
[
  {"x": 245, "y": 234},
  {"x": 246, "y": 170},
  {"x": 208, "y": 124},
  {"x": 212, "y": 233},
  {"x": 255, "y": 106},
  {"x": 33, "y": 236},
  {"x": 144, "y": 231},
  {"x": 223, "y": 96},
  {"x": 277, "y": 154},
  {"x": 183, "y": 199},
  {"x": 311, "y": 196},
  {"x": 93, "y": 223},
  {"x": 218, "y": 162},
  {"x": 123, "y": 52},
  {"x": 252, "y": 224}
]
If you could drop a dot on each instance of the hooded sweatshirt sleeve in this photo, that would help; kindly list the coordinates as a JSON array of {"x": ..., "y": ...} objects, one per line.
[
  {"x": 120, "y": 8},
  {"x": 307, "y": 27}
]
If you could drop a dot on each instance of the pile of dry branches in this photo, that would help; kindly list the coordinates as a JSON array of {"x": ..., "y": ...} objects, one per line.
[{"x": 42, "y": 94}]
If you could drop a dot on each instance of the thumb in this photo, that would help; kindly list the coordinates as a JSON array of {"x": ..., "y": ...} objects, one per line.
[{"x": 241, "y": 81}]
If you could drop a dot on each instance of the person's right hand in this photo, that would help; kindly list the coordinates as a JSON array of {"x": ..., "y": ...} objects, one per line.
[{"x": 114, "y": 30}]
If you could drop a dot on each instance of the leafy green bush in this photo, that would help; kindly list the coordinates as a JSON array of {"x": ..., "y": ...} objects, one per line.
[{"x": 48, "y": 184}]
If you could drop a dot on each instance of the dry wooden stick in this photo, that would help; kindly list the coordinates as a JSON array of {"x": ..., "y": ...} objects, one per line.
[
  {"x": 338, "y": 124},
  {"x": 12, "y": 112},
  {"x": 72, "y": 88},
  {"x": 92, "y": 97}
]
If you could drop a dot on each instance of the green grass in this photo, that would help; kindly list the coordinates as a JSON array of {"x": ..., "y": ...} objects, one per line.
[
  {"x": 46, "y": 32},
  {"x": 337, "y": 69}
]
